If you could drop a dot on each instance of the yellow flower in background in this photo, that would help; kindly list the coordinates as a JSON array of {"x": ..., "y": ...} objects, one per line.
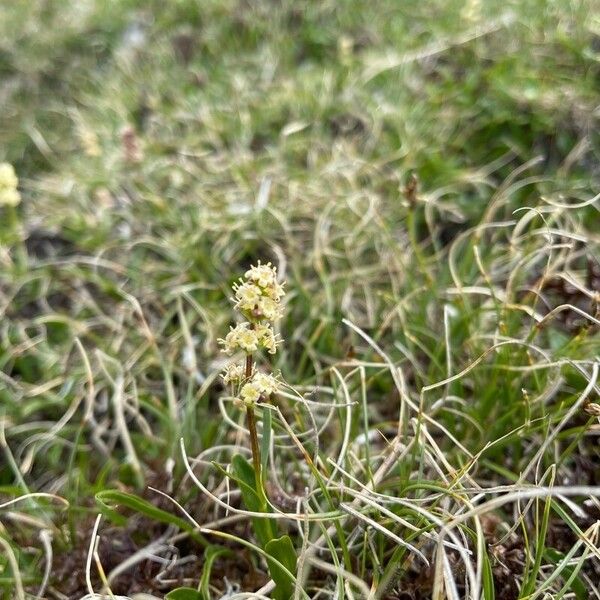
[{"x": 9, "y": 194}]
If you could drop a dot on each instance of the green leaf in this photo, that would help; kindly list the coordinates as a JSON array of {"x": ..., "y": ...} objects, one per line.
[
  {"x": 247, "y": 489},
  {"x": 265, "y": 443},
  {"x": 184, "y": 593},
  {"x": 283, "y": 550},
  {"x": 244, "y": 471},
  {"x": 143, "y": 507},
  {"x": 576, "y": 584},
  {"x": 530, "y": 581},
  {"x": 254, "y": 500},
  {"x": 211, "y": 553},
  {"x": 557, "y": 339},
  {"x": 489, "y": 592}
]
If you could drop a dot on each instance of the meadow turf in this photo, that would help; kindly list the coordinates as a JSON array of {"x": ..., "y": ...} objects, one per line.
[{"x": 424, "y": 174}]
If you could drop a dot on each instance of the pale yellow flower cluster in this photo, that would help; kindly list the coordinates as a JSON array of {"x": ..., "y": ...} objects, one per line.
[
  {"x": 258, "y": 298},
  {"x": 233, "y": 374},
  {"x": 9, "y": 194},
  {"x": 249, "y": 338},
  {"x": 261, "y": 384},
  {"x": 249, "y": 389}
]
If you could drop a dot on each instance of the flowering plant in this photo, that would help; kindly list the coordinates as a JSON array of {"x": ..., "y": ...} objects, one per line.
[{"x": 257, "y": 297}]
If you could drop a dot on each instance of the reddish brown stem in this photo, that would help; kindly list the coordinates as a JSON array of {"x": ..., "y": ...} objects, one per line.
[{"x": 253, "y": 432}]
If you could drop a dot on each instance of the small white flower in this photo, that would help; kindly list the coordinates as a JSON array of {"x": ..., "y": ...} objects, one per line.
[
  {"x": 240, "y": 337},
  {"x": 247, "y": 340},
  {"x": 264, "y": 275},
  {"x": 250, "y": 339},
  {"x": 268, "y": 384},
  {"x": 233, "y": 374},
  {"x": 250, "y": 393},
  {"x": 275, "y": 291},
  {"x": 9, "y": 194},
  {"x": 267, "y": 337},
  {"x": 247, "y": 295},
  {"x": 258, "y": 297},
  {"x": 269, "y": 309},
  {"x": 261, "y": 384}
]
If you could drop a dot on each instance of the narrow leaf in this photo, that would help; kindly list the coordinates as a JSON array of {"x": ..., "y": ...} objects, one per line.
[
  {"x": 265, "y": 444},
  {"x": 264, "y": 528},
  {"x": 211, "y": 553}
]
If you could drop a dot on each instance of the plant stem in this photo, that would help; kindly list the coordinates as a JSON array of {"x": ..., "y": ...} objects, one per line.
[
  {"x": 248, "y": 366},
  {"x": 254, "y": 443},
  {"x": 253, "y": 432},
  {"x": 20, "y": 250}
]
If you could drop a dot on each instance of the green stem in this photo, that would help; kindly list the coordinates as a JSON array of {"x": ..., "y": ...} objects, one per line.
[
  {"x": 413, "y": 237},
  {"x": 20, "y": 250}
]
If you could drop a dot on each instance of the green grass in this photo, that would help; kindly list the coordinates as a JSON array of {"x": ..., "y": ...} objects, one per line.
[{"x": 456, "y": 333}]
